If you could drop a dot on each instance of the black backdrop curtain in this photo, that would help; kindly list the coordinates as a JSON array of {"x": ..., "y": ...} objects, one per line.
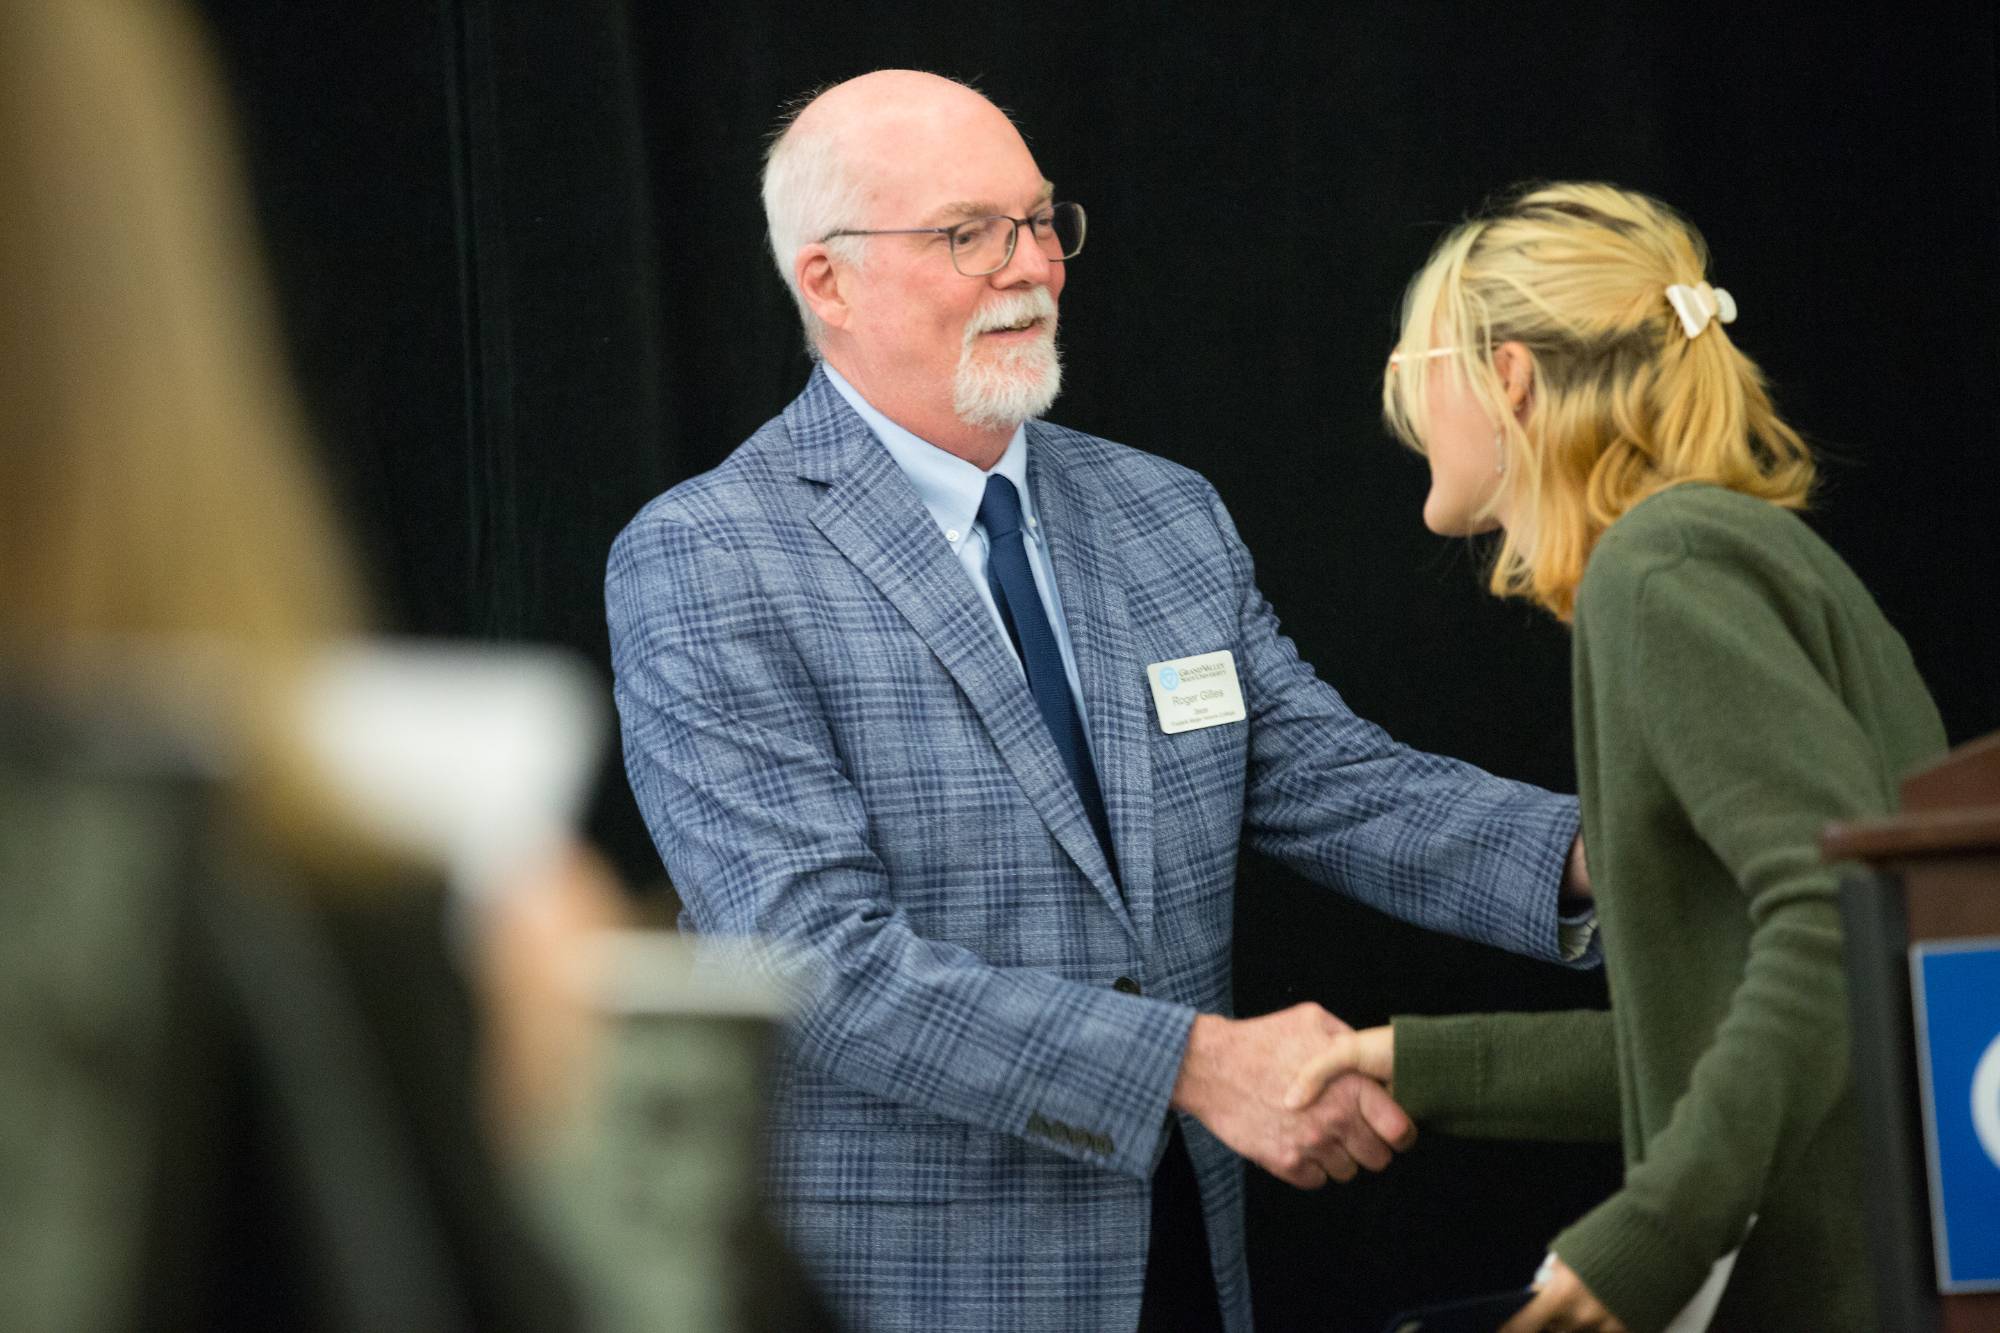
[{"x": 521, "y": 258}]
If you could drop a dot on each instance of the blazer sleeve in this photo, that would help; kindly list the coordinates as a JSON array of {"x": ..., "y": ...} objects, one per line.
[
  {"x": 1430, "y": 840},
  {"x": 737, "y": 772}
]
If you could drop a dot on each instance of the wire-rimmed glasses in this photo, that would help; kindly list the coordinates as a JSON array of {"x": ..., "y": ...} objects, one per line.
[{"x": 984, "y": 245}]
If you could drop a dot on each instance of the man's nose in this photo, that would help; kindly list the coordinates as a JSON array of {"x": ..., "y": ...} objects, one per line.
[{"x": 1029, "y": 265}]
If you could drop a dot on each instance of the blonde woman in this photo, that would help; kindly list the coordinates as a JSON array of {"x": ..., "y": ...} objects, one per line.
[{"x": 1566, "y": 366}]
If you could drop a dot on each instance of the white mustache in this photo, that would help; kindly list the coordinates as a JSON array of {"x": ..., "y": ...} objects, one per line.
[{"x": 1011, "y": 309}]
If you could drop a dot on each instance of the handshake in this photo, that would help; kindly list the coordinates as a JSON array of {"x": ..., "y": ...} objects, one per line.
[{"x": 1298, "y": 1092}]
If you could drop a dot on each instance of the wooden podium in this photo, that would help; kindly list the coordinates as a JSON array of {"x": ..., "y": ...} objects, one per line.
[{"x": 1930, "y": 874}]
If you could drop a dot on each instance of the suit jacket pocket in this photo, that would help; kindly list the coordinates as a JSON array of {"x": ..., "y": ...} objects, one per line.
[{"x": 866, "y": 1164}]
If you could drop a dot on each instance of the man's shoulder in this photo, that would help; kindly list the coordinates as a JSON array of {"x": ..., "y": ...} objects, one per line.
[
  {"x": 723, "y": 498},
  {"x": 1117, "y": 467}
]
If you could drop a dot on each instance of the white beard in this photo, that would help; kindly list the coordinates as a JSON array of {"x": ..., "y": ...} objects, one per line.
[{"x": 1000, "y": 387}]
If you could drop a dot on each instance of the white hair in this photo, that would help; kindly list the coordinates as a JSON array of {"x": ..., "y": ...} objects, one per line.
[{"x": 809, "y": 191}]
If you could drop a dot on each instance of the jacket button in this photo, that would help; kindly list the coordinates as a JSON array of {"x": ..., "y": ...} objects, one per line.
[{"x": 1126, "y": 986}]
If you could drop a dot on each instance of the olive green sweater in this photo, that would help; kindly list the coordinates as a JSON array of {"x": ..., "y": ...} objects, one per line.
[{"x": 1735, "y": 689}]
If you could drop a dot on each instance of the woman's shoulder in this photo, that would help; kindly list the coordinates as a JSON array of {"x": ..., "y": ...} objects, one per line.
[
  {"x": 1696, "y": 530},
  {"x": 1695, "y": 518}
]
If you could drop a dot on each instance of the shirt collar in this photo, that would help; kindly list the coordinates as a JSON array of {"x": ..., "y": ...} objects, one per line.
[{"x": 950, "y": 487}]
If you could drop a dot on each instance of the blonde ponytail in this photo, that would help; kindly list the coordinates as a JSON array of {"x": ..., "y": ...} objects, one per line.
[{"x": 1624, "y": 402}]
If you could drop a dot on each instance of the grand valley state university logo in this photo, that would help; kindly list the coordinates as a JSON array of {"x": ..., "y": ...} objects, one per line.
[
  {"x": 1986, "y": 1101},
  {"x": 1955, "y": 985}
]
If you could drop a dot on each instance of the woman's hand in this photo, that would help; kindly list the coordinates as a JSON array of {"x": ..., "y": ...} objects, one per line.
[
  {"x": 1563, "y": 1302},
  {"x": 1371, "y": 1051}
]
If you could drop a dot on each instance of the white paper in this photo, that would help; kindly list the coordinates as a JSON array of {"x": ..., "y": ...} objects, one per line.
[{"x": 1694, "y": 1316}]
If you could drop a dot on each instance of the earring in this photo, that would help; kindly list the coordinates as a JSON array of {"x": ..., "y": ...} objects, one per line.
[{"x": 1500, "y": 453}]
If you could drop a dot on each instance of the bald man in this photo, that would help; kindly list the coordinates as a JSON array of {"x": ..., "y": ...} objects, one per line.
[{"x": 973, "y": 712}]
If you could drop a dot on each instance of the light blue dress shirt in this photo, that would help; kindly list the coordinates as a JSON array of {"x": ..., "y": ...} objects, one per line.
[{"x": 951, "y": 489}]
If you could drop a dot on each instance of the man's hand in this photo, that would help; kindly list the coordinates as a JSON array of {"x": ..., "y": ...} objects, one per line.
[
  {"x": 1562, "y": 1301},
  {"x": 1235, "y": 1078}
]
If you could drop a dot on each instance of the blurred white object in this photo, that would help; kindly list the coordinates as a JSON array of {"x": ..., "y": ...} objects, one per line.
[
  {"x": 478, "y": 759},
  {"x": 654, "y": 1190},
  {"x": 641, "y": 972}
]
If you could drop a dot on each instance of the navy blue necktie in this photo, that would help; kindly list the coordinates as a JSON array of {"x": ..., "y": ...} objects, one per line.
[{"x": 1020, "y": 603}]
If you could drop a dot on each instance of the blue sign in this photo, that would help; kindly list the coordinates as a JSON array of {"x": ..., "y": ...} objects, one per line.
[
  {"x": 1957, "y": 992},
  {"x": 1170, "y": 679}
]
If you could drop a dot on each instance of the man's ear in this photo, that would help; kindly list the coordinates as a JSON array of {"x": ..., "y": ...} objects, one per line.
[
  {"x": 823, "y": 284},
  {"x": 1516, "y": 368}
]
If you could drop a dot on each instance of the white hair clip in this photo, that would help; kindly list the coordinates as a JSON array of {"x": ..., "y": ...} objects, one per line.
[{"x": 1700, "y": 303}]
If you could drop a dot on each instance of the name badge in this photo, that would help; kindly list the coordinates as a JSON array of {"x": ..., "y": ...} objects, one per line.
[{"x": 1195, "y": 692}]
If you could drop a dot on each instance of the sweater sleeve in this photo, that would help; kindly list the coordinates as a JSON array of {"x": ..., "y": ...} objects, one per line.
[
  {"x": 1758, "y": 749},
  {"x": 1548, "y": 1076}
]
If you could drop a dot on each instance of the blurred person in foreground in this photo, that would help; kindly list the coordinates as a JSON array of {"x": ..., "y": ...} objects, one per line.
[
  {"x": 241, "y": 1079},
  {"x": 1566, "y": 367}
]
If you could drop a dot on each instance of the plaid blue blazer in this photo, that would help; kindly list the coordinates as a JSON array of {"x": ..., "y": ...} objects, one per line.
[{"x": 834, "y": 748}]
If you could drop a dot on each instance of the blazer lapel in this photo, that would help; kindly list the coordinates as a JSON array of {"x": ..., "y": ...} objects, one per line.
[
  {"x": 873, "y": 517},
  {"x": 1091, "y": 576}
]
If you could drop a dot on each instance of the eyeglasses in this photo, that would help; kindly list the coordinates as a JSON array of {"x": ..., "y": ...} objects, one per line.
[
  {"x": 980, "y": 246},
  {"x": 1398, "y": 358}
]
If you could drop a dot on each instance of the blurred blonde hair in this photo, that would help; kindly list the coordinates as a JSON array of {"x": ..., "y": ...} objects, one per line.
[
  {"x": 1622, "y": 402},
  {"x": 154, "y": 487}
]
